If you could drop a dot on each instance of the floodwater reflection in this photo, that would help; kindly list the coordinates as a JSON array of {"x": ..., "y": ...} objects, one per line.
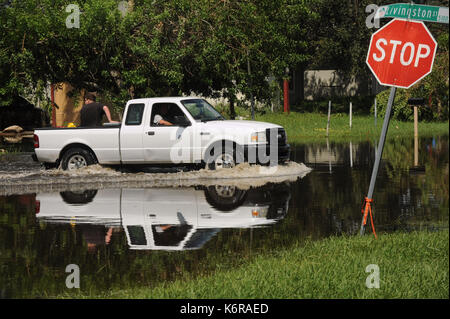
[
  {"x": 124, "y": 236},
  {"x": 163, "y": 218}
]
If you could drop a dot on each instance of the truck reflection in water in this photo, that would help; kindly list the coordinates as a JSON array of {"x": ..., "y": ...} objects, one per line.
[{"x": 164, "y": 218}]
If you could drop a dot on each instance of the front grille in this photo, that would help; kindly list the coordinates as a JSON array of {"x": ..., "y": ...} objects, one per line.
[{"x": 281, "y": 135}]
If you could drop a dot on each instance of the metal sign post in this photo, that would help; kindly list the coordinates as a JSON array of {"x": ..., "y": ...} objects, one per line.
[
  {"x": 368, "y": 199},
  {"x": 396, "y": 67}
]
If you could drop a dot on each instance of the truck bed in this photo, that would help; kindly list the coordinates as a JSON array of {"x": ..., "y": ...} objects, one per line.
[{"x": 105, "y": 144}]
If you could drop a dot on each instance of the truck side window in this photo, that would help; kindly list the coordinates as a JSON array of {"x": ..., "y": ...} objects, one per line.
[
  {"x": 170, "y": 235},
  {"x": 137, "y": 235},
  {"x": 169, "y": 112},
  {"x": 134, "y": 114}
]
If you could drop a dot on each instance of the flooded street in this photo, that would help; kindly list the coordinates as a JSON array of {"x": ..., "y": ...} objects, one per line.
[{"x": 125, "y": 229}]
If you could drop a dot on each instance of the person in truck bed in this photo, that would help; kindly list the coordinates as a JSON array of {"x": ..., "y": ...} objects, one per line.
[{"x": 92, "y": 112}]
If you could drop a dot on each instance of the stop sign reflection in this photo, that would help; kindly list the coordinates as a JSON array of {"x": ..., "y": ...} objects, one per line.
[{"x": 401, "y": 53}]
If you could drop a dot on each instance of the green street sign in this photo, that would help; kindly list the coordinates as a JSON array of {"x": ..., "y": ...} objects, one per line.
[{"x": 413, "y": 12}]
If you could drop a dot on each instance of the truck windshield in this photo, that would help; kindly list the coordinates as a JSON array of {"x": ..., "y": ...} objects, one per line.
[{"x": 202, "y": 110}]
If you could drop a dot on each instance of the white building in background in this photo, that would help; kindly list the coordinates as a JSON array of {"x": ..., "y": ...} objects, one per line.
[{"x": 322, "y": 84}]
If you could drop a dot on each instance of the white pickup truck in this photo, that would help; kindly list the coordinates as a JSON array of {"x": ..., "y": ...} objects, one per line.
[{"x": 199, "y": 135}]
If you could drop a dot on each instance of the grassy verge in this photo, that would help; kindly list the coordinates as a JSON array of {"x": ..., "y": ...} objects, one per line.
[
  {"x": 311, "y": 127},
  {"x": 411, "y": 265}
]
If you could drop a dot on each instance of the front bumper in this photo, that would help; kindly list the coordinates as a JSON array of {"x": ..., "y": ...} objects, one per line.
[
  {"x": 276, "y": 196},
  {"x": 266, "y": 155},
  {"x": 277, "y": 150}
]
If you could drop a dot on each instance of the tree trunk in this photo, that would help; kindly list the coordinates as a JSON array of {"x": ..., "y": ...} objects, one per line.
[{"x": 232, "y": 110}]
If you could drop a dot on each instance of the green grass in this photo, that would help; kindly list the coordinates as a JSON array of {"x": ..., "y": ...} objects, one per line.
[
  {"x": 311, "y": 127},
  {"x": 411, "y": 265}
]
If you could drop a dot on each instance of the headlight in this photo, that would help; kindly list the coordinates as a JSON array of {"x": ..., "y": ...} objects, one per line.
[
  {"x": 260, "y": 212},
  {"x": 258, "y": 137}
]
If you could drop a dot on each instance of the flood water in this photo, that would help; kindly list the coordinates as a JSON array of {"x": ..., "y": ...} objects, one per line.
[{"x": 125, "y": 229}]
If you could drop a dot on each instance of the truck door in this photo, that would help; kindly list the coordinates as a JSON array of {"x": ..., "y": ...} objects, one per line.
[
  {"x": 158, "y": 218},
  {"x": 131, "y": 134},
  {"x": 173, "y": 216},
  {"x": 168, "y": 143}
]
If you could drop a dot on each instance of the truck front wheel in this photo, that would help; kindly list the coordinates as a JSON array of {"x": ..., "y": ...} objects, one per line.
[
  {"x": 76, "y": 158},
  {"x": 224, "y": 157}
]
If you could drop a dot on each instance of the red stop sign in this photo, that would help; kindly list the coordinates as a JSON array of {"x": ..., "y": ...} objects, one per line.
[{"x": 401, "y": 53}]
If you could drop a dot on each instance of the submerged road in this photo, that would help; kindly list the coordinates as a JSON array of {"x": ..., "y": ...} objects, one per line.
[{"x": 20, "y": 174}]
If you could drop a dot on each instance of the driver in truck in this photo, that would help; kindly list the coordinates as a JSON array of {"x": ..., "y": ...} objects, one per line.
[
  {"x": 161, "y": 114},
  {"x": 92, "y": 112}
]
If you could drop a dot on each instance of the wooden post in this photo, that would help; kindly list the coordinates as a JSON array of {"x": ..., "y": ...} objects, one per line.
[
  {"x": 329, "y": 156},
  {"x": 416, "y": 116},
  {"x": 416, "y": 102},
  {"x": 350, "y": 115},
  {"x": 329, "y": 114}
]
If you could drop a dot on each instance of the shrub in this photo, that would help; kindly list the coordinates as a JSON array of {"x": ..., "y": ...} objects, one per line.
[
  {"x": 434, "y": 88},
  {"x": 400, "y": 109}
]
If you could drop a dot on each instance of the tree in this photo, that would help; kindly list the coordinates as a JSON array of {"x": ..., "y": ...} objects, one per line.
[
  {"x": 39, "y": 48},
  {"x": 162, "y": 48}
]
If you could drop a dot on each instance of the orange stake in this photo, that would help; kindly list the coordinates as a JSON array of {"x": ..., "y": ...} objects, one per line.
[{"x": 367, "y": 209}]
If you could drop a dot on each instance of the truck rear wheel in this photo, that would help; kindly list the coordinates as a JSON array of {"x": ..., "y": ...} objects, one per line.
[{"x": 77, "y": 157}]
